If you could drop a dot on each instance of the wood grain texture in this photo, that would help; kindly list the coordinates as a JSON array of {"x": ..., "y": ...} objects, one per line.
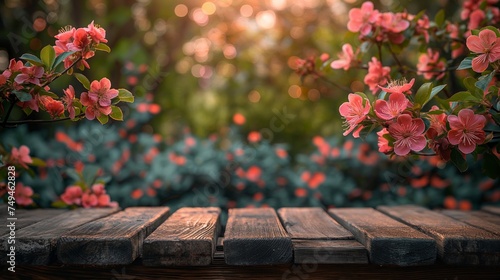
[
  {"x": 480, "y": 219},
  {"x": 113, "y": 240},
  {"x": 311, "y": 223},
  {"x": 492, "y": 209},
  {"x": 35, "y": 244},
  {"x": 188, "y": 237},
  {"x": 329, "y": 252},
  {"x": 26, "y": 218},
  {"x": 458, "y": 242},
  {"x": 387, "y": 241},
  {"x": 256, "y": 237}
]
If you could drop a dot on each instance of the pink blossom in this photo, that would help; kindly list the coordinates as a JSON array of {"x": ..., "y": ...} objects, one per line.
[
  {"x": 408, "y": 135},
  {"x": 72, "y": 195},
  {"x": 487, "y": 45},
  {"x": 457, "y": 48},
  {"x": 101, "y": 92},
  {"x": 81, "y": 40},
  {"x": 388, "y": 110},
  {"x": 346, "y": 58},
  {"x": 96, "y": 33},
  {"x": 399, "y": 86},
  {"x": 55, "y": 108},
  {"x": 475, "y": 19},
  {"x": 354, "y": 112},
  {"x": 21, "y": 156},
  {"x": 89, "y": 200},
  {"x": 15, "y": 66},
  {"x": 430, "y": 66},
  {"x": 377, "y": 75},
  {"x": 466, "y": 130},
  {"x": 69, "y": 97},
  {"x": 103, "y": 200},
  {"x": 422, "y": 27},
  {"x": 31, "y": 75},
  {"x": 32, "y": 103},
  {"x": 360, "y": 19},
  {"x": 23, "y": 194},
  {"x": 394, "y": 23},
  {"x": 383, "y": 143},
  {"x": 438, "y": 122},
  {"x": 98, "y": 189}
]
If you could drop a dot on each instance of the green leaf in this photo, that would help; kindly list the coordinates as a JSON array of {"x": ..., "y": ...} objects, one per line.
[
  {"x": 59, "y": 59},
  {"x": 38, "y": 162},
  {"x": 27, "y": 111},
  {"x": 491, "y": 165},
  {"x": 59, "y": 204},
  {"x": 83, "y": 80},
  {"x": 462, "y": 96},
  {"x": 103, "y": 119},
  {"x": 465, "y": 64},
  {"x": 116, "y": 113},
  {"x": 435, "y": 112},
  {"x": 103, "y": 47},
  {"x": 435, "y": 90},
  {"x": 22, "y": 96},
  {"x": 32, "y": 59},
  {"x": 125, "y": 95},
  {"x": 48, "y": 55},
  {"x": 439, "y": 18},
  {"x": 423, "y": 94},
  {"x": 485, "y": 80},
  {"x": 458, "y": 160},
  {"x": 492, "y": 28},
  {"x": 470, "y": 84}
]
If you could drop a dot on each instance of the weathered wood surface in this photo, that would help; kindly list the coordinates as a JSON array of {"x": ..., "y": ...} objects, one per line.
[
  {"x": 458, "y": 242},
  {"x": 387, "y": 240},
  {"x": 256, "y": 237},
  {"x": 318, "y": 238},
  {"x": 116, "y": 239},
  {"x": 480, "y": 219},
  {"x": 24, "y": 218},
  {"x": 268, "y": 272},
  {"x": 492, "y": 209},
  {"x": 311, "y": 223},
  {"x": 35, "y": 244},
  {"x": 188, "y": 237}
]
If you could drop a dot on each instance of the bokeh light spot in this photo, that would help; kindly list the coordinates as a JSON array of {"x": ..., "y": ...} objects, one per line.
[
  {"x": 208, "y": 8},
  {"x": 254, "y": 96},
  {"x": 294, "y": 91},
  {"x": 39, "y": 24},
  {"x": 266, "y": 19},
  {"x": 246, "y": 10},
  {"x": 181, "y": 10}
]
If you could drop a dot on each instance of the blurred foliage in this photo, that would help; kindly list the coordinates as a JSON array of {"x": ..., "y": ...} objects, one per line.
[{"x": 202, "y": 62}]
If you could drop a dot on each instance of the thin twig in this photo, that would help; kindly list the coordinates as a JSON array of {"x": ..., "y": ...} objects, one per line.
[{"x": 16, "y": 123}]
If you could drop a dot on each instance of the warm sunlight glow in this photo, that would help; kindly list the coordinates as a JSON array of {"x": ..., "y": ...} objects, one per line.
[{"x": 266, "y": 19}]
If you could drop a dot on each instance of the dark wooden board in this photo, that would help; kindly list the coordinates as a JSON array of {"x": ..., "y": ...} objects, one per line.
[
  {"x": 329, "y": 252},
  {"x": 311, "y": 223},
  {"x": 458, "y": 242},
  {"x": 387, "y": 241},
  {"x": 480, "y": 219},
  {"x": 24, "y": 218},
  {"x": 35, "y": 244},
  {"x": 188, "y": 237},
  {"x": 492, "y": 209},
  {"x": 256, "y": 237},
  {"x": 113, "y": 240}
]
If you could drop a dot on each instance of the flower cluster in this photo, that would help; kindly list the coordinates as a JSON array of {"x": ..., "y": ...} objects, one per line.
[
  {"x": 20, "y": 158},
  {"x": 434, "y": 119},
  {"x": 95, "y": 196}
]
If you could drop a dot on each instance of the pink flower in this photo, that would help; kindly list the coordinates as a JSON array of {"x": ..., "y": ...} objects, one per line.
[
  {"x": 31, "y": 75},
  {"x": 430, "y": 66},
  {"x": 475, "y": 19},
  {"x": 69, "y": 97},
  {"x": 254, "y": 137},
  {"x": 103, "y": 200},
  {"x": 89, "y": 200},
  {"x": 422, "y": 27},
  {"x": 487, "y": 45},
  {"x": 361, "y": 19},
  {"x": 101, "y": 92},
  {"x": 253, "y": 174},
  {"x": 389, "y": 110},
  {"x": 408, "y": 134},
  {"x": 72, "y": 195},
  {"x": 55, "y": 108},
  {"x": 383, "y": 143},
  {"x": 23, "y": 194},
  {"x": 399, "y": 86},
  {"x": 393, "y": 22},
  {"x": 98, "y": 189},
  {"x": 21, "y": 156},
  {"x": 346, "y": 58},
  {"x": 354, "y": 112},
  {"x": 81, "y": 40},
  {"x": 438, "y": 122},
  {"x": 377, "y": 75},
  {"x": 466, "y": 130},
  {"x": 96, "y": 33},
  {"x": 457, "y": 48}
]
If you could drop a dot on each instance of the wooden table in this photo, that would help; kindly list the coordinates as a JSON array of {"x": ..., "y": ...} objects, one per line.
[{"x": 394, "y": 242}]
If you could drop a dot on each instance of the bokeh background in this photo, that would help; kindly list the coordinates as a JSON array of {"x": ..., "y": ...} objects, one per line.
[{"x": 221, "y": 117}]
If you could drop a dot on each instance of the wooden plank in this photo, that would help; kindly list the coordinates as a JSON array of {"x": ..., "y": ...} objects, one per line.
[
  {"x": 311, "y": 223},
  {"x": 329, "y": 252},
  {"x": 388, "y": 241},
  {"x": 492, "y": 209},
  {"x": 480, "y": 219},
  {"x": 188, "y": 237},
  {"x": 24, "y": 218},
  {"x": 113, "y": 240},
  {"x": 256, "y": 237},
  {"x": 458, "y": 242},
  {"x": 35, "y": 244}
]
